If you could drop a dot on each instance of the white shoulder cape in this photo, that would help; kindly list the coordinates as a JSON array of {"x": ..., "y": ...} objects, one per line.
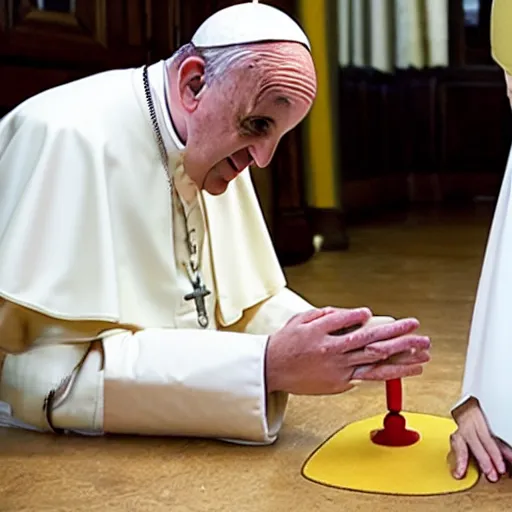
[
  {"x": 488, "y": 374},
  {"x": 85, "y": 214}
]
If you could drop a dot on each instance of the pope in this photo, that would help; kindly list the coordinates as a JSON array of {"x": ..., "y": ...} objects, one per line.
[
  {"x": 140, "y": 292},
  {"x": 483, "y": 414}
]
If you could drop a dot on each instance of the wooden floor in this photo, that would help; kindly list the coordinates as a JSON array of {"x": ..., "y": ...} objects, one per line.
[{"x": 425, "y": 265}]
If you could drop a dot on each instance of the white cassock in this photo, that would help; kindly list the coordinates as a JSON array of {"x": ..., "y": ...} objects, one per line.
[
  {"x": 488, "y": 374},
  {"x": 93, "y": 248}
]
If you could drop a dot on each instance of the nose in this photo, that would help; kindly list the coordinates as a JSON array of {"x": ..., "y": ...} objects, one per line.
[{"x": 263, "y": 151}]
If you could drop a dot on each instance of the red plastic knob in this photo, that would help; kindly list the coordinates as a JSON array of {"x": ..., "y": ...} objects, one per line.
[
  {"x": 394, "y": 395},
  {"x": 395, "y": 432}
]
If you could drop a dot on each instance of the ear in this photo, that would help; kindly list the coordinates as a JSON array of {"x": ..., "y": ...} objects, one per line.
[{"x": 191, "y": 82}]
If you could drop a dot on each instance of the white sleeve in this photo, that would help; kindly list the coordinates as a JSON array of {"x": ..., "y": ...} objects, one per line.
[
  {"x": 264, "y": 319},
  {"x": 188, "y": 383},
  {"x": 462, "y": 400}
]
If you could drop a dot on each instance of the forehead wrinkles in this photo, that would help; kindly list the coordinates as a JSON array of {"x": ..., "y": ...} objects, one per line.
[{"x": 282, "y": 69}]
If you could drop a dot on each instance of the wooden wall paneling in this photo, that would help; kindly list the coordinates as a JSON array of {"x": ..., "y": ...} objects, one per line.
[
  {"x": 476, "y": 133},
  {"x": 374, "y": 127},
  {"x": 418, "y": 147},
  {"x": 5, "y": 21},
  {"x": 40, "y": 49},
  {"x": 22, "y": 82},
  {"x": 163, "y": 28},
  {"x": 469, "y": 45},
  {"x": 422, "y": 135},
  {"x": 419, "y": 122},
  {"x": 192, "y": 14},
  {"x": 354, "y": 118},
  {"x": 379, "y": 133},
  {"x": 99, "y": 33},
  {"x": 437, "y": 134},
  {"x": 291, "y": 227},
  {"x": 476, "y": 38},
  {"x": 456, "y": 41}
]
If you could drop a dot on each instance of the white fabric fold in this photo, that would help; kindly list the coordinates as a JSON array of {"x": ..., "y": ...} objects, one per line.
[
  {"x": 28, "y": 378},
  {"x": 203, "y": 384}
]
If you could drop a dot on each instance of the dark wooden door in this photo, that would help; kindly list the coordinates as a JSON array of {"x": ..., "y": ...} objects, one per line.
[
  {"x": 82, "y": 32},
  {"x": 44, "y": 43}
]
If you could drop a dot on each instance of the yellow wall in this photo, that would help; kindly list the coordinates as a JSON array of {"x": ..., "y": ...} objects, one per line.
[{"x": 321, "y": 152}]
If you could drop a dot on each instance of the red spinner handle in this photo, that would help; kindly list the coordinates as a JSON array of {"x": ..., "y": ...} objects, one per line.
[
  {"x": 394, "y": 395},
  {"x": 395, "y": 431}
]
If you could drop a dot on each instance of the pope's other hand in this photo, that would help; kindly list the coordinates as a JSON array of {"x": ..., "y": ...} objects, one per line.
[{"x": 306, "y": 358}]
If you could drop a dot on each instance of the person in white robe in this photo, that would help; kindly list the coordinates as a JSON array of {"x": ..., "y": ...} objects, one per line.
[
  {"x": 139, "y": 289},
  {"x": 483, "y": 414}
]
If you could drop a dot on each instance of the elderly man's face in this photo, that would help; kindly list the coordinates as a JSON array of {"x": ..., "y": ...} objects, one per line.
[{"x": 240, "y": 118}]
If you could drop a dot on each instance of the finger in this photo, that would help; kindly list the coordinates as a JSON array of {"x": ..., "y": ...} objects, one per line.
[
  {"x": 383, "y": 372},
  {"x": 362, "y": 357},
  {"x": 340, "y": 318},
  {"x": 310, "y": 316},
  {"x": 459, "y": 456},
  {"x": 482, "y": 457},
  {"x": 411, "y": 357},
  {"x": 405, "y": 343},
  {"x": 394, "y": 329},
  {"x": 368, "y": 335},
  {"x": 367, "y": 357},
  {"x": 490, "y": 446}
]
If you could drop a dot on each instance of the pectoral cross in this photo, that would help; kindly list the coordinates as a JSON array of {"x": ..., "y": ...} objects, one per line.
[{"x": 199, "y": 293}]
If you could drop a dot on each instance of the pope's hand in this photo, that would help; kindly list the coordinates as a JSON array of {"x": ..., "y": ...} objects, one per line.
[
  {"x": 473, "y": 438},
  {"x": 305, "y": 358}
]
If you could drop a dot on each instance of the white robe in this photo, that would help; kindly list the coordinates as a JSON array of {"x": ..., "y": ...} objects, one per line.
[
  {"x": 488, "y": 375},
  {"x": 88, "y": 238}
]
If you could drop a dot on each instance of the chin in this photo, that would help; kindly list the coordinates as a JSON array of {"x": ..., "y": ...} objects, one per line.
[{"x": 216, "y": 187}]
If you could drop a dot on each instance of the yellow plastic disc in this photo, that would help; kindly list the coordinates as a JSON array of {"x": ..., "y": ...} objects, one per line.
[{"x": 350, "y": 460}]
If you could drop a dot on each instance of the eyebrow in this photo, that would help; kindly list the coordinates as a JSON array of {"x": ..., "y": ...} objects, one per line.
[{"x": 282, "y": 100}]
